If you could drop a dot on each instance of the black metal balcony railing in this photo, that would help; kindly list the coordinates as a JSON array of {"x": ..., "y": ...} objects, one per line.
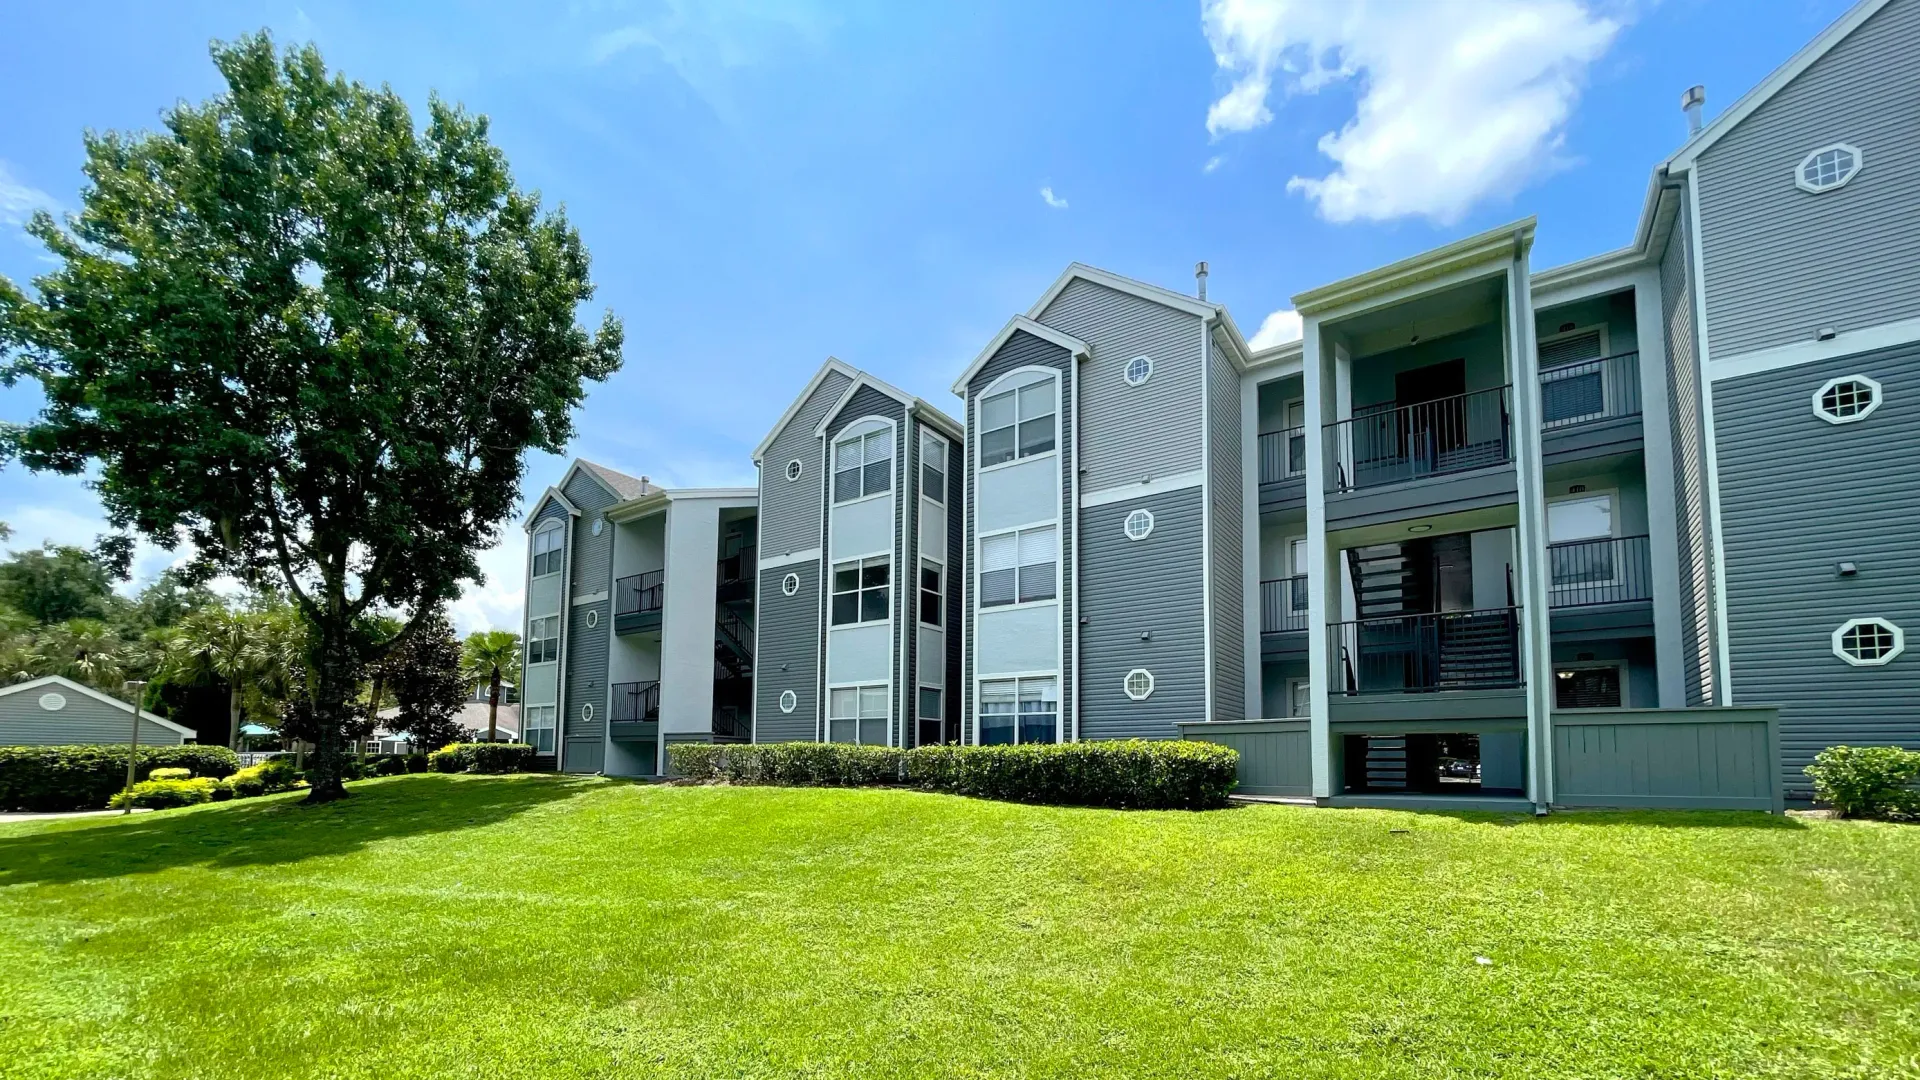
[
  {"x": 1283, "y": 455},
  {"x": 1607, "y": 570},
  {"x": 636, "y": 701},
  {"x": 1283, "y": 604},
  {"x": 739, "y": 565},
  {"x": 1604, "y": 389},
  {"x": 640, "y": 593},
  {"x": 1428, "y": 438},
  {"x": 1401, "y": 654}
]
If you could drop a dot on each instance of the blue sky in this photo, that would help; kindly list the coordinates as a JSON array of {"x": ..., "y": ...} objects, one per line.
[{"x": 765, "y": 184}]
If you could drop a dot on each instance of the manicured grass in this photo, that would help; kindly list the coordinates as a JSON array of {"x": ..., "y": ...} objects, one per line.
[{"x": 441, "y": 926}]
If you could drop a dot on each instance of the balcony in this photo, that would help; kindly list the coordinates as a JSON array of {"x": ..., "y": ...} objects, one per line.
[
  {"x": 1590, "y": 409},
  {"x": 637, "y": 602},
  {"x": 636, "y": 711},
  {"x": 1283, "y": 615},
  {"x": 1283, "y": 468},
  {"x": 1390, "y": 444},
  {"x": 1436, "y": 651},
  {"x": 1601, "y": 587},
  {"x": 734, "y": 573}
]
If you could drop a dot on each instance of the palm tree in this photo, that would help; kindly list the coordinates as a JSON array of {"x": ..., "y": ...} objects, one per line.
[
  {"x": 491, "y": 656},
  {"x": 249, "y": 651},
  {"x": 84, "y": 650}
]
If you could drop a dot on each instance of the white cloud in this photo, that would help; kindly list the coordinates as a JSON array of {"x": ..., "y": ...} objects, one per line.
[
  {"x": 1055, "y": 201},
  {"x": 1277, "y": 329},
  {"x": 1457, "y": 100},
  {"x": 496, "y": 604},
  {"x": 1213, "y": 163},
  {"x": 18, "y": 201},
  {"x": 705, "y": 41}
]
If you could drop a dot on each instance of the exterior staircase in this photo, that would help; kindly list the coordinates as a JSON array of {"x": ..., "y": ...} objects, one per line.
[{"x": 1479, "y": 649}]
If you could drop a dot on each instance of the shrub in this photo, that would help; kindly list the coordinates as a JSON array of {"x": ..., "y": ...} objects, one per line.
[
  {"x": 170, "y": 774},
  {"x": 49, "y": 779},
  {"x": 417, "y": 763},
  {"x": 161, "y": 794},
  {"x": 482, "y": 758},
  {"x": 388, "y": 765},
  {"x": 273, "y": 774},
  {"x": 222, "y": 790},
  {"x": 1868, "y": 781},
  {"x": 1133, "y": 774}
]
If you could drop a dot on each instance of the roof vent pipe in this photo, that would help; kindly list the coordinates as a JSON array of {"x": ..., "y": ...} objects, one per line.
[
  {"x": 1200, "y": 275},
  {"x": 1693, "y": 101}
]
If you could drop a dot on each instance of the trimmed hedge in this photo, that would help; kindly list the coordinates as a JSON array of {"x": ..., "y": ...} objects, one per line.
[
  {"x": 271, "y": 775},
  {"x": 51, "y": 779},
  {"x": 162, "y": 794},
  {"x": 170, "y": 774},
  {"x": 1868, "y": 781},
  {"x": 480, "y": 757},
  {"x": 1129, "y": 774}
]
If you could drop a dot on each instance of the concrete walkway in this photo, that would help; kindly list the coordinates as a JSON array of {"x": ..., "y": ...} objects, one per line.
[{"x": 13, "y": 816}]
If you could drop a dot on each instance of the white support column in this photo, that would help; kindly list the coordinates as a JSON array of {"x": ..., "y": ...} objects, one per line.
[
  {"x": 1319, "y": 592},
  {"x": 1663, "y": 522},
  {"x": 1250, "y": 544},
  {"x": 1536, "y": 620}
]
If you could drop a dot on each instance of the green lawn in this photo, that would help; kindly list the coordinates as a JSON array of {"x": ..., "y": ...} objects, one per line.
[{"x": 538, "y": 926}]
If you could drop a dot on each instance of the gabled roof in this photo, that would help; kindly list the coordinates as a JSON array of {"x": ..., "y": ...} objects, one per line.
[
  {"x": 1119, "y": 283},
  {"x": 79, "y": 688},
  {"x": 1683, "y": 159},
  {"x": 914, "y": 405},
  {"x": 556, "y": 495},
  {"x": 1437, "y": 262},
  {"x": 1073, "y": 345},
  {"x": 833, "y": 364},
  {"x": 618, "y": 484}
]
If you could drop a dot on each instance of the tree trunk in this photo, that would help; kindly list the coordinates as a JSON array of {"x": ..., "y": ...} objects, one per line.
[
  {"x": 330, "y": 673},
  {"x": 233, "y": 714},
  {"x": 493, "y": 708}
]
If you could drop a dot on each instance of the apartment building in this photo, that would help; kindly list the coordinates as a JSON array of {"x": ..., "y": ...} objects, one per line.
[{"x": 1627, "y": 531}]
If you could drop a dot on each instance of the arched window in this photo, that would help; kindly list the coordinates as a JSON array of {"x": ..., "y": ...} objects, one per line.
[{"x": 546, "y": 548}]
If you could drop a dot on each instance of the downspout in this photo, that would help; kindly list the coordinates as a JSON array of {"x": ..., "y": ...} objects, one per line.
[
  {"x": 560, "y": 665},
  {"x": 907, "y": 584},
  {"x": 1073, "y": 495}
]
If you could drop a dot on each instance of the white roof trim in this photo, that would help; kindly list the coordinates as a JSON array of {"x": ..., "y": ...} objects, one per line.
[
  {"x": 832, "y": 364},
  {"x": 556, "y": 495},
  {"x": 1073, "y": 345},
  {"x": 580, "y": 466},
  {"x": 1846, "y": 24},
  {"x": 79, "y": 688},
  {"x": 912, "y": 403},
  {"x": 1476, "y": 252},
  {"x": 1177, "y": 301}
]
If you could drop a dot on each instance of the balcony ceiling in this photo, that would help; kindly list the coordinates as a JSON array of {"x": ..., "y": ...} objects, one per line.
[{"x": 1431, "y": 315}]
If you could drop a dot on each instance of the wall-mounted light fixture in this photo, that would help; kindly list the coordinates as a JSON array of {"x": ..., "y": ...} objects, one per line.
[{"x": 1419, "y": 528}]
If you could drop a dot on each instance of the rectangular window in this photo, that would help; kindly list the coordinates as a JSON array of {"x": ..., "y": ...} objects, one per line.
[
  {"x": 1017, "y": 423},
  {"x": 931, "y": 600},
  {"x": 1580, "y": 540},
  {"x": 539, "y": 728},
  {"x": 1586, "y": 688},
  {"x": 860, "y": 591},
  {"x": 546, "y": 550},
  {"x": 931, "y": 709},
  {"x": 543, "y": 640},
  {"x": 1016, "y": 711},
  {"x": 1299, "y": 697},
  {"x": 857, "y": 714},
  {"x": 862, "y": 466},
  {"x": 933, "y": 467},
  {"x": 1019, "y": 567}
]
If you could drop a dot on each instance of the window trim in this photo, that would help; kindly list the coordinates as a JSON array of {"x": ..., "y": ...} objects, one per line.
[
  {"x": 1613, "y": 523},
  {"x": 790, "y": 585},
  {"x": 1018, "y": 677},
  {"x": 1622, "y": 673},
  {"x": 532, "y": 637},
  {"x": 980, "y": 571},
  {"x": 1126, "y": 371},
  {"x": 1126, "y": 525},
  {"x": 1820, "y": 410},
  {"x": 860, "y": 431},
  {"x": 994, "y": 389},
  {"x": 1126, "y": 684},
  {"x": 859, "y": 564},
  {"x": 1899, "y": 641},
  {"x": 1293, "y": 687},
  {"x": 788, "y": 701},
  {"x": 886, "y": 717},
  {"x": 1800, "y": 171},
  {"x": 550, "y": 526},
  {"x": 946, "y": 460},
  {"x": 1606, "y": 342},
  {"x": 921, "y": 592},
  {"x": 795, "y": 470}
]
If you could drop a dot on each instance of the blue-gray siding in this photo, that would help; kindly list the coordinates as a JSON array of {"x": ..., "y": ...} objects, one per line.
[
  {"x": 788, "y": 655},
  {"x": 790, "y": 509},
  {"x": 83, "y": 720},
  {"x": 1127, "y": 432},
  {"x": 584, "y": 647},
  {"x": 1799, "y": 496},
  {"x": 866, "y": 403},
  {"x": 1689, "y": 468},
  {"x": 1781, "y": 262},
  {"x": 1226, "y": 537},
  {"x": 1132, "y": 588},
  {"x": 1023, "y": 350},
  {"x": 1706, "y": 759}
]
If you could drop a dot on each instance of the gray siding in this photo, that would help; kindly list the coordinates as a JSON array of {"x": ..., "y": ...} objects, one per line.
[
  {"x": 584, "y": 648},
  {"x": 1800, "y": 495},
  {"x": 868, "y": 402},
  {"x": 1226, "y": 536},
  {"x": 790, "y": 510},
  {"x": 1689, "y": 469},
  {"x": 1129, "y": 432},
  {"x": 1023, "y": 350},
  {"x": 83, "y": 721},
  {"x": 1135, "y": 587},
  {"x": 788, "y": 655},
  {"x": 1782, "y": 262}
]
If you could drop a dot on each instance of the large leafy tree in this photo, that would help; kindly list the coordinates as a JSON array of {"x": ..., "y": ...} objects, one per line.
[
  {"x": 425, "y": 676},
  {"x": 491, "y": 657},
  {"x": 313, "y": 338},
  {"x": 55, "y": 583}
]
